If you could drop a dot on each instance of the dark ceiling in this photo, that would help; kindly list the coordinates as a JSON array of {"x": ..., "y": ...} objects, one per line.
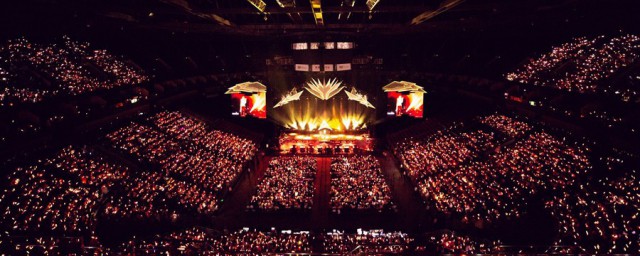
[{"x": 297, "y": 17}]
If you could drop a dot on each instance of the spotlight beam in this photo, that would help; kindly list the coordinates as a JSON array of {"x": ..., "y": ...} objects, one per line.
[{"x": 290, "y": 4}]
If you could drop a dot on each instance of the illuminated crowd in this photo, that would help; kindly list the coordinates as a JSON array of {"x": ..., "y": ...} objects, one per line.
[
  {"x": 468, "y": 172},
  {"x": 63, "y": 194},
  {"x": 372, "y": 242},
  {"x": 479, "y": 183},
  {"x": 198, "y": 241},
  {"x": 288, "y": 184},
  {"x": 121, "y": 72},
  {"x": 601, "y": 216},
  {"x": 50, "y": 245},
  {"x": 68, "y": 192},
  {"x": 591, "y": 61},
  {"x": 141, "y": 196},
  {"x": 357, "y": 182},
  {"x": 442, "y": 151},
  {"x": 144, "y": 197},
  {"x": 154, "y": 146},
  {"x": 451, "y": 243},
  {"x": 247, "y": 241},
  {"x": 202, "y": 163},
  {"x": 190, "y": 241},
  {"x": 69, "y": 68},
  {"x": 254, "y": 242},
  {"x": 215, "y": 158},
  {"x": 506, "y": 125},
  {"x": 37, "y": 200},
  {"x": 536, "y": 70}
]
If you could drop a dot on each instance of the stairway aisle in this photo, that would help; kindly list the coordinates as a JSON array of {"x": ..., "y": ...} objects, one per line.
[
  {"x": 410, "y": 208},
  {"x": 244, "y": 189},
  {"x": 322, "y": 185}
]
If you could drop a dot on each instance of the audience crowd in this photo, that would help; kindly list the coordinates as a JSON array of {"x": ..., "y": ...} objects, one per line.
[
  {"x": 202, "y": 164},
  {"x": 64, "y": 194},
  {"x": 154, "y": 146},
  {"x": 506, "y": 125},
  {"x": 581, "y": 64},
  {"x": 373, "y": 242},
  {"x": 442, "y": 151},
  {"x": 457, "y": 178},
  {"x": 537, "y": 69},
  {"x": 194, "y": 241},
  {"x": 50, "y": 245},
  {"x": 141, "y": 196},
  {"x": 465, "y": 173},
  {"x": 197, "y": 241},
  {"x": 68, "y": 192},
  {"x": 600, "y": 217},
  {"x": 450, "y": 243},
  {"x": 287, "y": 184},
  {"x": 69, "y": 68},
  {"x": 36, "y": 200},
  {"x": 246, "y": 241},
  {"x": 594, "y": 216},
  {"x": 357, "y": 183}
]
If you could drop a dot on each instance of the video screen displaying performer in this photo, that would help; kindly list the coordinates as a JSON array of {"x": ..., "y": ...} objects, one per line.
[
  {"x": 405, "y": 103},
  {"x": 253, "y": 104},
  {"x": 249, "y": 98}
]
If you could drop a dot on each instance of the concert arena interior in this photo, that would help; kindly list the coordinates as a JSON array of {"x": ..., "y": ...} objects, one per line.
[{"x": 319, "y": 127}]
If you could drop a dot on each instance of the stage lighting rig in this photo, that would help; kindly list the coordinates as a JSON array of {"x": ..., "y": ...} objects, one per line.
[
  {"x": 259, "y": 4},
  {"x": 316, "y": 8},
  {"x": 444, "y": 6},
  {"x": 372, "y": 4},
  {"x": 286, "y": 3},
  {"x": 350, "y": 3}
]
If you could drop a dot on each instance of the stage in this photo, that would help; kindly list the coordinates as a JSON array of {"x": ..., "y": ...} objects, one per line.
[{"x": 325, "y": 142}]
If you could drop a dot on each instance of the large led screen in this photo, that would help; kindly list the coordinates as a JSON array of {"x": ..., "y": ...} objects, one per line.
[
  {"x": 405, "y": 103},
  {"x": 249, "y": 104}
]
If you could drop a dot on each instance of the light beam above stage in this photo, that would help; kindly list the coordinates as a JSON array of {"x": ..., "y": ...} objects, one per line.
[
  {"x": 324, "y": 108},
  {"x": 293, "y": 95},
  {"x": 355, "y": 96}
]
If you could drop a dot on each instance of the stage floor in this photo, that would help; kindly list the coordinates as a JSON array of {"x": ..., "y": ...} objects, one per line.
[{"x": 323, "y": 143}]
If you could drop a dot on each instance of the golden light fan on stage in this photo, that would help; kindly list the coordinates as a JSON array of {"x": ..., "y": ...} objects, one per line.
[{"x": 324, "y": 90}]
